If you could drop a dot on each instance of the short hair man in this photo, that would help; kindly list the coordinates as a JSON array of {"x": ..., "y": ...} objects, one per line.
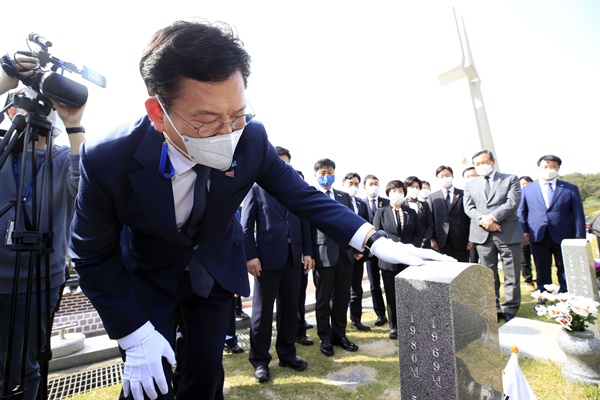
[
  {"x": 351, "y": 185},
  {"x": 550, "y": 211},
  {"x": 450, "y": 223},
  {"x": 277, "y": 245},
  {"x": 374, "y": 201},
  {"x": 155, "y": 239},
  {"x": 491, "y": 201}
]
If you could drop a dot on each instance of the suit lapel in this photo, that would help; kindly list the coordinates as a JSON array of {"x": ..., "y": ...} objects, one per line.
[
  {"x": 153, "y": 191},
  {"x": 560, "y": 187},
  {"x": 495, "y": 184}
]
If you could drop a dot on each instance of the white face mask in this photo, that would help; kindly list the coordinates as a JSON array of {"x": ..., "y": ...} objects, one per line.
[
  {"x": 469, "y": 179},
  {"x": 396, "y": 198},
  {"x": 214, "y": 152},
  {"x": 412, "y": 192},
  {"x": 548, "y": 174},
  {"x": 372, "y": 191},
  {"x": 351, "y": 190},
  {"x": 424, "y": 194},
  {"x": 446, "y": 182},
  {"x": 484, "y": 169}
]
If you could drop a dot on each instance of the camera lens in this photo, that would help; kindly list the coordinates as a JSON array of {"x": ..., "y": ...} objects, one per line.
[{"x": 59, "y": 88}]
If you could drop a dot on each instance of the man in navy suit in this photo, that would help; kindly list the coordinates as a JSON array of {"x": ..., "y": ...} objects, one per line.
[
  {"x": 550, "y": 210},
  {"x": 373, "y": 202},
  {"x": 277, "y": 244},
  {"x": 351, "y": 185},
  {"x": 155, "y": 240},
  {"x": 450, "y": 223}
]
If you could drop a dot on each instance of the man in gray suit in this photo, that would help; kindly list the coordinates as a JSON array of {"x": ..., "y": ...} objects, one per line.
[{"x": 491, "y": 201}]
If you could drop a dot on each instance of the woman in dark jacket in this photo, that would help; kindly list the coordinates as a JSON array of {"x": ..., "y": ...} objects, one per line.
[
  {"x": 402, "y": 225},
  {"x": 413, "y": 186}
]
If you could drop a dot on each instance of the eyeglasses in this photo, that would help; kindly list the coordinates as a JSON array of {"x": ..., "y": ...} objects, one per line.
[{"x": 213, "y": 128}]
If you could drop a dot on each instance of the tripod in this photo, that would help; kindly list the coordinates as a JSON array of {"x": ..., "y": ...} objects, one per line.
[{"x": 30, "y": 234}]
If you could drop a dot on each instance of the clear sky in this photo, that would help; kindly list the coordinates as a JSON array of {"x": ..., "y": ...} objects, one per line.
[{"x": 358, "y": 82}]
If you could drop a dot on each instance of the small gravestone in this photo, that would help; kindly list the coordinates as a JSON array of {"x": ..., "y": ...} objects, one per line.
[
  {"x": 448, "y": 332},
  {"x": 580, "y": 272}
]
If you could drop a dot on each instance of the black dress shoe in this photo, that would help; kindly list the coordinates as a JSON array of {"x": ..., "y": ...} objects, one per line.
[
  {"x": 304, "y": 341},
  {"x": 393, "y": 334},
  {"x": 295, "y": 363},
  {"x": 380, "y": 321},
  {"x": 261, "y": 373},
  {"x": 508, "y": 316},
  {"x": 308, "y": 326},
  {"x": 327, "y": 347},
  {"x": 345, "y": 344},
  {"x": 500, "y": 316},
  {"x": 240, "y": 315},
  {"x": 360, "y": 326},
  {"x": 235, "y": 349}
]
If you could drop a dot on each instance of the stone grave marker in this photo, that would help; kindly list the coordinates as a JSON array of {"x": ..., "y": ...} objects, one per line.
[
  {"x": 580, "y": 272},
  {"x": 448, "y": 332}
]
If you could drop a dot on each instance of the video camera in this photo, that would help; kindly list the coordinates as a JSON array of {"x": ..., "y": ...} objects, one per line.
[{"x": 49, "y": 83}]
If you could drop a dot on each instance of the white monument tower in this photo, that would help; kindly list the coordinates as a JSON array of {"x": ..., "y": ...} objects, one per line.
[{"x": 467, "y": 70}]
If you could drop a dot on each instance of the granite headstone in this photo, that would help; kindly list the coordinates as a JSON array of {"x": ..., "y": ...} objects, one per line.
[
  {"x": 580, "y": 272},
  {"x": 448, "y": 332}
]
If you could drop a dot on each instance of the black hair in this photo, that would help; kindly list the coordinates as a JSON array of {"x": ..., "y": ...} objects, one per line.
[
  {"x": 443, "y": 167},
  {"x": 282, "y": 151},
  {"x": 412, "y": 179},
  {"x": 549, "y": 157},
  {"x": 351, "y": 175},
  {"x": 324, "y": 162},
  {"x": 395, "y": 184},
  {"x": 200, "y": 50},
  {"x": 489, "y": 153}
]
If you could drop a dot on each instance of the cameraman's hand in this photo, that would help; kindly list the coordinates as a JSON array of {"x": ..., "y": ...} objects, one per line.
[
  {"x": 400, "y": 253},
  {"x": 143, "y": 366},
  {"x": 24, "y": 65},
  {"x": 70, "y": 116}
]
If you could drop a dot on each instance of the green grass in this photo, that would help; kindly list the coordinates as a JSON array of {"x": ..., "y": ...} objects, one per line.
[{"x": 543, "y": 376}]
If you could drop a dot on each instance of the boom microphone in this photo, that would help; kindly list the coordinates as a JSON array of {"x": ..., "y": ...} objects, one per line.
[{"x": 40, "y": 40}]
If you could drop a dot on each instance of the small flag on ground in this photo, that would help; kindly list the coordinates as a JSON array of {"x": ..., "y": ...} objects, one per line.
[{"x": 513, "y": 381}]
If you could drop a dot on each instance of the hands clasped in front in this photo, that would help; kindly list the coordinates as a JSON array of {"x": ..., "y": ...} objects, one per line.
[
  {"x": 143, "y": 366},
  {"x": 401, "y": 253}
]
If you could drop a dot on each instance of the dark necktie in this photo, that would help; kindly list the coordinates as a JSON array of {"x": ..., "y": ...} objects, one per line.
[
  {"x": 448, "y": 199},
  {"x": 202, "y": 282},
  {"x": 328, "y": 193},
  {"x": 550, "y": 193},
  {"x": 487, "y": 186},
  {"x": 373, "y": 206}
]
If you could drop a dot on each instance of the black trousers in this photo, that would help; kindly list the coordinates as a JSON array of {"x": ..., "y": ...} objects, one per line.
[
  {"x": 390, "y": 294},
  {"x": 332, "y": 297},
  {"x": 284, "y": 285},
  {"x": 356, "y": 290},
  {"x": 461, "y": 254},
  {"x": 202, "y": 323},
  {"x": 542, "y": 253},
  {"x": 302, "y": 304},
  {"x": 374, "y": 275},
  {"x": 526, "y": 271}
]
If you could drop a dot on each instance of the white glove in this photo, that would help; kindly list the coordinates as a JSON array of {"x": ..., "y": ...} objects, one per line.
[
  {"x": 143, "y": 365},
  {"x": 400, "y": 253}
]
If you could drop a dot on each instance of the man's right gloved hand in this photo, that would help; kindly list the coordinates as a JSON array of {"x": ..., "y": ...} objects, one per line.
[
  {"x": 401, "y": 253},
  {"x": 143, "y": 363}
]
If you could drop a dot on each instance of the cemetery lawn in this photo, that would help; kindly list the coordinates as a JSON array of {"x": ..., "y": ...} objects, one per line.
[
  {"x": 332, "y": 378},
  {"x": 376, "y": 361}
]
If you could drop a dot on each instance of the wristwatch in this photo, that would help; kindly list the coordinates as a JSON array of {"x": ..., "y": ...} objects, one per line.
[
  {"x": 76, "y": 129},
  {"x": 374, "y": 237}
]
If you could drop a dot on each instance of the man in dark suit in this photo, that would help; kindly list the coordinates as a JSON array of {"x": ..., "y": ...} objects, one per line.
[
  {"x": 491, "y": 201},
  {"x": 333, "y": 271},
  {"x": 155, "y": 240},
  {"x": 450, "y": 223},
  {"x": 277, "y": 244},
  {"x": 351, "y": 185},
  {"x": 373, "y": 202},
  {"x": 550, "y": 211}
]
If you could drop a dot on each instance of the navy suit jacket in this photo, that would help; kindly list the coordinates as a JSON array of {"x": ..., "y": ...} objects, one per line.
[
  {"x": 124, "y": 231},
  {"x": 411, "y": 233},
  {"x": 450, "y": 221},
  {"x": 270, "y": 230},
  {"x": 564, "y": 219}
]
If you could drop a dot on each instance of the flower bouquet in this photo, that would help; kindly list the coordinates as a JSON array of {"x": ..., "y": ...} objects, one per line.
[{"x": 570, "y": 311}]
